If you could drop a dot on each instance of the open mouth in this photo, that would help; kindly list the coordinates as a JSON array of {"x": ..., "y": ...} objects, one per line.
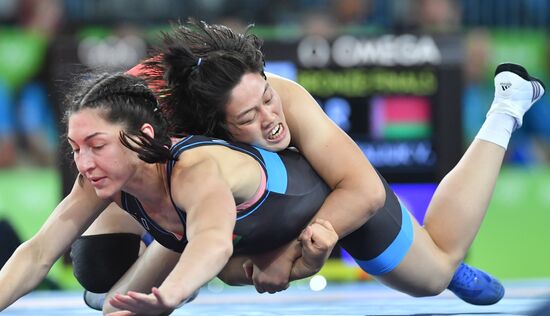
[{"x": 276, "y": 132}]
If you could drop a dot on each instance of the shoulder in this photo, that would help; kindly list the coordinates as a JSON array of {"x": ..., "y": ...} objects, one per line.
[
  {"x": 197, "y": 174},
  {"x": 200, "y": 161},
  {"x": 196, "y": 156},
  {"x": 286, "y": 88}
]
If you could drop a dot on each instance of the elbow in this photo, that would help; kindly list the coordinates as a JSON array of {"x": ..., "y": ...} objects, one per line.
[
  {"x": 30, "y": 257},
  {"x": 379, "y": 198},
  {"x": 216, "y": 246},
  {"x": 228, "y": 250},
  {"x": 224, "y": 253},
  {"x": 375, "y": 198},
  {"x": 224, "y": 250},
  {"x": 35, "y": 253}
]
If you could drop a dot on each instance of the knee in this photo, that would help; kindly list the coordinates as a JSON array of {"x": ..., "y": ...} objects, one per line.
[
  {"x": 431, "y": 285},
  {"x": 99, "y": 261}
]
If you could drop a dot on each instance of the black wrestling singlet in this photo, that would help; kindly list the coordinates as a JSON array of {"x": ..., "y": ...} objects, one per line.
[{"x": 294, "y": 193}]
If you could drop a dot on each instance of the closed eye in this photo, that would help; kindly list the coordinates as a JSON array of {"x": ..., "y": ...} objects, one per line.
[{"x": 249, "y": 118}]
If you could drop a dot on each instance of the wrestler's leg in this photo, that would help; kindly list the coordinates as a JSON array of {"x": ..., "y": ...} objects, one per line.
[
  {"x": 412, "y": 262},
  {"x": 395, "y": 249},
  {"x": 425, "y": 270},
  {"x": 114, "y": 220},
  {"x": 460, "y": 202}
]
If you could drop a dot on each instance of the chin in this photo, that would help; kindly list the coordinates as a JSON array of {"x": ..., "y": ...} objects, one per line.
[
  {"x": 279, "y": 147},
  {"x": 282, "y": 145},
  {"x": 103, "y": 194}
]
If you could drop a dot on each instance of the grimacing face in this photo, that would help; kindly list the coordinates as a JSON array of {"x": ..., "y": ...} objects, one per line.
[
  {"x": 254, "y": 114},
  {"x": 98, "y": 154}
]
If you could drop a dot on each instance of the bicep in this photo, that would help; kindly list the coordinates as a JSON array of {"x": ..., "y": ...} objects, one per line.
[
  {"x": 207, "y": 200},
  {"x": 331, "y": 152}
]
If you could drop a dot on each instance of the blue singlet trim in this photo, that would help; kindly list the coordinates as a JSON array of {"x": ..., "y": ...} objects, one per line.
[
  {"x": 277, "y": 178},
  {"x": 396, "y": 251}
]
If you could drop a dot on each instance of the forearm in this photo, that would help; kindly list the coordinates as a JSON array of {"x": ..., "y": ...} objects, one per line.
[
  {"x": 348, "y": 209},
  {"x": 20, "y": 275},
  {"x": 201, "y": 261},
  {"x": 300, "y": 270},
  {"x": 145, "y": 273}
]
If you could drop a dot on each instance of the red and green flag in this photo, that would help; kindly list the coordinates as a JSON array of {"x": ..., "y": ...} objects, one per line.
[{"x": 401, "y": 117}]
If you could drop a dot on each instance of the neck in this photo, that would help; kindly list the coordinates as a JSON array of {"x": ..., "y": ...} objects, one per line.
[{"x": 148, "y": 183}]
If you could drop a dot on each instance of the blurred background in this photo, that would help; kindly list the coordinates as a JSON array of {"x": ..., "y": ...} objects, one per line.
[{"x": 409, "y": 80}]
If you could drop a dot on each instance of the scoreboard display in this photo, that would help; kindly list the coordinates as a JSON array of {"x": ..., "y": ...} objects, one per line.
[{"x": 397, "y": 96}]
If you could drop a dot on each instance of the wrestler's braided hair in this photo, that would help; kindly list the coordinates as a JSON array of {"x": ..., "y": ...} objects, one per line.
[
  {"x": 200, "y": 64},
  {"x": 126, "y": 100}
]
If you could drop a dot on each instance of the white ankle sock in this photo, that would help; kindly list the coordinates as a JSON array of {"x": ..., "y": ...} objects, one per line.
[{"x": 497, "y": 128}]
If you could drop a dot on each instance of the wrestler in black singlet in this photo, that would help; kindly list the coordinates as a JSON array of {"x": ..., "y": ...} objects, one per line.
[{"x": 294, "y": 193}]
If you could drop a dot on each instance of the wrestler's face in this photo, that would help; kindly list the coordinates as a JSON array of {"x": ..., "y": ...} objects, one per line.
[
  {"x": 99, "y": 156},
  {"x": 254, "y": 114}
]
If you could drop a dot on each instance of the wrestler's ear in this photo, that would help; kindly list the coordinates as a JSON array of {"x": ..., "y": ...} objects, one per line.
[{"x": 148, "y": 129}]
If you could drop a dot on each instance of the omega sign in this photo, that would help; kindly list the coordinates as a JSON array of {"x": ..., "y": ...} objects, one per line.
[
  {"x": 387, "y": 50},
  {"x": 112, "y": 52}
]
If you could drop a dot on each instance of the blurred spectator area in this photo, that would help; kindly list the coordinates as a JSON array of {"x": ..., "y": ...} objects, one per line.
[
  {"x": 387, "y": 13},
  {"x": 114, "y": 36}
]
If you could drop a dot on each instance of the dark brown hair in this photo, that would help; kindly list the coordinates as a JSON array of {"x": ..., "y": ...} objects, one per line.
[
  {"x": 200, "y": 64},
  {"x": 126, "y": 100}
]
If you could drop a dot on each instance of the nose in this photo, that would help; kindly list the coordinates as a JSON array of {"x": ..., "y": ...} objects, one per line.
[
  {"x": 267, "y": 116},
  {"x": 84, "y": 162}
]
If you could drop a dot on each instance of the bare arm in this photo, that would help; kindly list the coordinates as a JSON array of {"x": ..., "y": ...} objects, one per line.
[
  {"x": 240, "y": 269},
  {"x": 314, "y": 245},
  {"x": 145, "y": 273},
  {"x": 210, "y": 223},
  {"x": 357, "y": 190},
  {"x": 33, "y": 259}
]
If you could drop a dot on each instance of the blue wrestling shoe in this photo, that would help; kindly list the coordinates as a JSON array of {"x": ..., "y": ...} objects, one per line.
[{"x": 475, "y": 286}]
